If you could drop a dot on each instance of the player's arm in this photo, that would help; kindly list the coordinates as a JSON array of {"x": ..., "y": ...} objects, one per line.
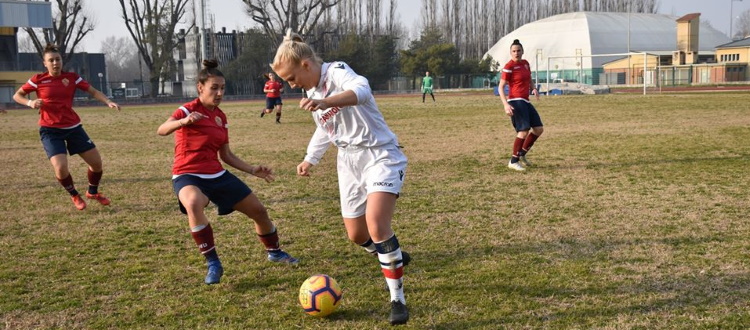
[
  {"x": 172, "y": 124},
  {"x": 501, "y": 91},
  {"x": 228, "y": 157},
  {"x": 532, "y": 89},
  {"x": 95, "y": 93},
  {"x": 317, "y": 147},
  {"x": 20, "y": 98}
]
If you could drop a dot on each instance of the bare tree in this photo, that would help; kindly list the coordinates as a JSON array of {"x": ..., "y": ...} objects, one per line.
[
  {"x": 122, "y": 59},
  {"x": 69, "y": 26},
  {"x": 742, "y": 25},
  {"x": 152, "y": 25},
  {"x": 275, "y": 16}
]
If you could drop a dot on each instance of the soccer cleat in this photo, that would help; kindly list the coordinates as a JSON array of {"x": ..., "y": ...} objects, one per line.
[
  {"x": 516, "y": 166},
  {"x": 399, "y": 313},
  {"x": 282, "y": 257},
  {"x": 524, "y": 161},
  {"x": 99, "y": 197},
  {"x": 215, "y": 271},
  {"x": 262, "y": 113},
  {"x": 405, "y": 258},
  {"x": 278, "y": 121},
  {"x": 79, "y": 202}
]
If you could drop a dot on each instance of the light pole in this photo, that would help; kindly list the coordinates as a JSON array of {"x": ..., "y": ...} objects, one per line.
[
  {"x": 101, "y": 85},
  {"x": 731, "y": 17}
]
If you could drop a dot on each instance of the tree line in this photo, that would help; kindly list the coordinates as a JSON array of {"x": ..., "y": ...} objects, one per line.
[{"x": 368, "y": 34}]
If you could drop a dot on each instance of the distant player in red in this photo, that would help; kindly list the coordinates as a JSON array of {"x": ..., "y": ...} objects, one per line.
[
  {"x": 523, "y": 115},
  {"x": 60, "y": 128},
  {"x": 273, "y": 90},
  {"x": 198, "y": 177}
]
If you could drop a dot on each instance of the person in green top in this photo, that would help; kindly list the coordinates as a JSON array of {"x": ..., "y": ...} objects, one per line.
[{"x": 427, "y": 86}]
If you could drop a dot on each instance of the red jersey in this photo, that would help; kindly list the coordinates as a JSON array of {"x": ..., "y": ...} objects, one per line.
[
  {"x": 518, "y": 76},
  {"x": 57, "y": 94},
  {"x": 275, "y": 86},
  {"x": 197, "y": 145}
]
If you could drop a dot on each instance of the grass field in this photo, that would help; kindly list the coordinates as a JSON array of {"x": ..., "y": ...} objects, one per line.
[{"x": 635, "y": 216}]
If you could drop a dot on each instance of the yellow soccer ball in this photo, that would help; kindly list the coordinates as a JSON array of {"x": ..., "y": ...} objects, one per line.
[{"x": 320, "y": 295}]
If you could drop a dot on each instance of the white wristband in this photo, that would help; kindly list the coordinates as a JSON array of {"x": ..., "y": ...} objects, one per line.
[{"x": 28, "y": 104}]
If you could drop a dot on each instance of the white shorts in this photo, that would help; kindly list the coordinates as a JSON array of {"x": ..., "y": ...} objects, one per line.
[{"x": 363, "y": 171}]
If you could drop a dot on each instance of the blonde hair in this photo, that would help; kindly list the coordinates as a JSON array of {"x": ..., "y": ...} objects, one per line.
[{"x": 293, "y": 50}]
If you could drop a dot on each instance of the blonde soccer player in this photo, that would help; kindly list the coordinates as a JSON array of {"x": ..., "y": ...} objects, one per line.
[{"x": 371, "y": 165}]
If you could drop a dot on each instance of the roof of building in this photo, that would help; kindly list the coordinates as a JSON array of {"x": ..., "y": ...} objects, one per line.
[
  {"x": 689, "y": 17},
  {"x": 737, "y": 43},
  {"x": 596, "y": 33}
]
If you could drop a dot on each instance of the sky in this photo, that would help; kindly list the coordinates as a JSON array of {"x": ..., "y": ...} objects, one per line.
[{"x": 231, "y": 14}]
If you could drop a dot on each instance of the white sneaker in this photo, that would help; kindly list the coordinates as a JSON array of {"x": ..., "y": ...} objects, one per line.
[
  {"x": 524, "y": 161},
  {"x": 516, "y": 166}
]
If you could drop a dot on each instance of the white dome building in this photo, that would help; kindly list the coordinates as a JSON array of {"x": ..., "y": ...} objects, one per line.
[{"x": 594, "y": 33}]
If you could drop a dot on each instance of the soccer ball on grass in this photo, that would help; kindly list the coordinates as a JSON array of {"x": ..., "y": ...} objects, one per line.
[{"x": 320, "y": 295}]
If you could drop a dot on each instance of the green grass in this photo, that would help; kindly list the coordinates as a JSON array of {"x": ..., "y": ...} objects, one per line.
[{"x": 635, "y": 216}]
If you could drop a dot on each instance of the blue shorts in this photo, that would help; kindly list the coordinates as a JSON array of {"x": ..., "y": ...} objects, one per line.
[
  {"x": 524, "y": 115},
  {"x": 272, "y": 101},
  {"x": 57, "y": 140},
  {"x": 224, "y": 191}
]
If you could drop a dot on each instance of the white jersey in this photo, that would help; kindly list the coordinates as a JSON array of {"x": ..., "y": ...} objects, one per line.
[{"x": 360, "y": 125}]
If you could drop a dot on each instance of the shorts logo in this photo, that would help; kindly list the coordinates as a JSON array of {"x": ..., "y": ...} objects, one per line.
[
  {"x": 401, "y": 175},
  {"x": 90, "y": 142},
  {"x": 382, "y": 184}
]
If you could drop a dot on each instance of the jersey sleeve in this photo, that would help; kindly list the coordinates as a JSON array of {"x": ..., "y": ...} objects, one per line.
[
  {"x": 180, "y": 113},
  {"x": 343, "y": 76},
  {"x": 317, "y": 147},
  {"x": 31, "y": 84},
  {"x": 507, "y": 72},
  {"x": 81, "y": 83}
]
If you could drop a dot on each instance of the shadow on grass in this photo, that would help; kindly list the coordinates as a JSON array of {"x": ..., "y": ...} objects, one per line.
[
  {"x": 641, "y": 161},
  {"x": 571, "y": 284}
]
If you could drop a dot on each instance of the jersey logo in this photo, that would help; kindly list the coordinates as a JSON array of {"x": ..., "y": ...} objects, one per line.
[
  {"x": 46, "y": 81},
  {"x": 65, "y": 82},
  {"x": 218, "y": 121}
]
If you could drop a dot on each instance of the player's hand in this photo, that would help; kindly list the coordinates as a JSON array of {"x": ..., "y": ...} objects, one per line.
[
  {"x": 36, "y": 104},
  {"x": 536, "y": 93},
  {"x": 509, "y": 109},
  {"x": 193, "y": 117},
  {"x": 303, "y": 169},
  {"x": 113, "y": 105},
  {"x": 312, "y": 104},
  {"x": 263, "y": 172}
]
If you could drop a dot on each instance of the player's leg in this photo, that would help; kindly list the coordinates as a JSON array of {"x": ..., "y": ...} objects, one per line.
[
  {"x": 356, "y": 230},
  {"x": 423, "y": 96},
  {"x": 278, "y": 111},
  {"x": 60, "y": 165},
  {"x": 264, "y": 228},
  {"x": 380, "y": 209},
  {"x": 537, "y": 128},
  {"x": 94, "y": 173},
  {"x": 433, "y": 96},
  {"x": 53, "y": 141},
  {"x": 194, "y": 202}
]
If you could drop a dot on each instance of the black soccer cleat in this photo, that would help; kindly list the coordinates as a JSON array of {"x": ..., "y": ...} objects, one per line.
[
  {"x": 399, "y": 313},
  {"x": 405, "y": 258}
]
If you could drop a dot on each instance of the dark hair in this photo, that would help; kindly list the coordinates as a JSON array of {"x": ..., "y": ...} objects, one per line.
[
  {"x": 516, "y": 42},
  {"x": 51, "y": 48},
  {"x": 209, "y": 70}
]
